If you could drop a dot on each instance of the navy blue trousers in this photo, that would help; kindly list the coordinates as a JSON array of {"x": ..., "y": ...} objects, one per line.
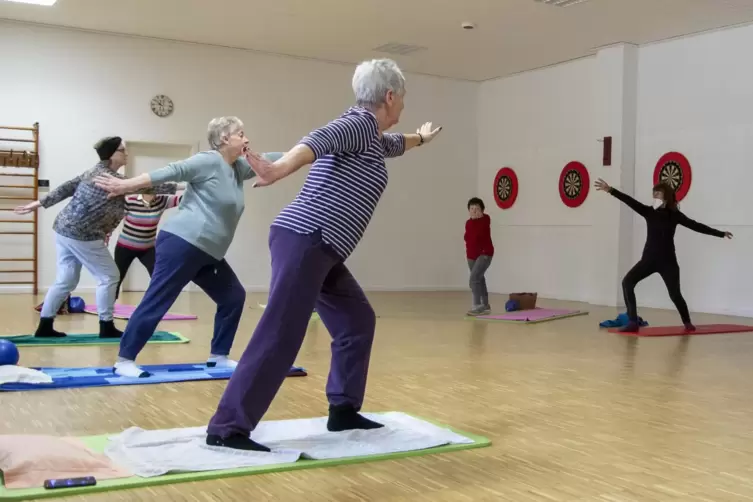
[{"x": 177, "y": 264}]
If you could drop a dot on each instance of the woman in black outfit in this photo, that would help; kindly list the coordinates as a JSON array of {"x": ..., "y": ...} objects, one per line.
[{"x": 659, "y": 252}]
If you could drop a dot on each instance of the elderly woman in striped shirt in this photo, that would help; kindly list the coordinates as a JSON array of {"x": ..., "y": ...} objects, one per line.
[{"x": 309, "y": 242}]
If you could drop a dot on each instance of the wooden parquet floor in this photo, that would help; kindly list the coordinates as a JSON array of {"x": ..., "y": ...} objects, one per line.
[{"x": 574, "y": 413}]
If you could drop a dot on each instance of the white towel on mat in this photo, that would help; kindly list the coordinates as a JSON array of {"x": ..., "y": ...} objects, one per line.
[
  {"x": 158, "y": 452},
  {"x": 18, "y": 374}
]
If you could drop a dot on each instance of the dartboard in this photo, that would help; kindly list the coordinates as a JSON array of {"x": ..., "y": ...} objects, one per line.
[
  {"x": 574, "y": 184},
  {"x": 671, "y": 173},
  {"x": 505, "y": 188},
  {"x": 674, "y": 169}
]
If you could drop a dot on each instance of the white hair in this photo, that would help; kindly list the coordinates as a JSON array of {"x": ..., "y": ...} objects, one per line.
[
  {"x": 221, "y": 128},
  {"x": 372, "y": 79}
]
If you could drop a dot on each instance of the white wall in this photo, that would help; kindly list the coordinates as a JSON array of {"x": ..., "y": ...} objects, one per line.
[
  {"x": 83, "y": 86},
  {"x": 537, "y": 122},
  {"x": 693, "y": 96}
]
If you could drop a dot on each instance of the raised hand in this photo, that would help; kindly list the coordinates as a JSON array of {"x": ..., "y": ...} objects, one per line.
[
  {"x": 115, "y": 186},
  {"x": 427, "y": 132},
  {"x": 601, "y": 185},
  {"x": 262, "y": 167}
]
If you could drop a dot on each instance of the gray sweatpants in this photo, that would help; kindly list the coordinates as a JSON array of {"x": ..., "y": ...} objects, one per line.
[
  {"x": 96, "y": 258},
  {"x": 478, "y": 282}
]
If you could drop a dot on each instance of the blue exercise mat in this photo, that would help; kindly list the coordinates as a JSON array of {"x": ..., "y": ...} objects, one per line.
[{"x": 66, "y": 378}]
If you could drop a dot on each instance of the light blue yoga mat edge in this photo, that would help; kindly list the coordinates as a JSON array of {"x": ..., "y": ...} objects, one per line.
[{"x": 97, "y": 443}]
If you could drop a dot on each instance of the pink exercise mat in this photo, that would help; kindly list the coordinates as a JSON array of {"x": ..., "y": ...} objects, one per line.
[
  {"x": 535, "y": 315},
  {"x": 126, "y": 311}
]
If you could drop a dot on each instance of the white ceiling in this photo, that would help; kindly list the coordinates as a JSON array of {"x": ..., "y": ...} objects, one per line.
[{"x": 511, "y": 35}]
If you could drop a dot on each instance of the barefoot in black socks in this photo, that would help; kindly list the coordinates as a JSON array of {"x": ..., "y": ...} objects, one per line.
[
  {"x": 689, "y": 326},
  {"x": 107, "y": 329},
  {"x": 45, "y": 329},
  {"x": 347, "y": 418},
  {"x": 237, "y": 442}
]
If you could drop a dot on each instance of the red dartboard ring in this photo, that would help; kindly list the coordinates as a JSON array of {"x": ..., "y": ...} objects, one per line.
[
  {"x": 674, "y": 168},
  {"x": 505, "y": 188},
  {"x": 574, "y": 184}
]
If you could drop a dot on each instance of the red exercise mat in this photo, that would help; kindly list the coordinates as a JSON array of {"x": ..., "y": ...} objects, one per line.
[{"x": 703, "y": 329}]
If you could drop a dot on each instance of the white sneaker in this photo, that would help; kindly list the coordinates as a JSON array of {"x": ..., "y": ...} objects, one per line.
[{"x": 221, "y": 362}]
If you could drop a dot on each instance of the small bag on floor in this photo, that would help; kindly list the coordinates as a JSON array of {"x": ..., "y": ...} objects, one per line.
[{"x": 526, "y": 301}]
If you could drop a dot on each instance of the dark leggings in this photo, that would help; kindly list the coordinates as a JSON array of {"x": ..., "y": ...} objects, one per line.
[
  {"x": 669, "y": 272},
  {"x": 124, "y": 257}
]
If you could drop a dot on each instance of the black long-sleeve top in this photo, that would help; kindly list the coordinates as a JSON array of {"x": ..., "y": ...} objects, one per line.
[{"x": 660, "y": 227}]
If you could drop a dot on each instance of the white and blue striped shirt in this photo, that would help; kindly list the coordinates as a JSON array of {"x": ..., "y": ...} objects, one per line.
[{"x": 345, "y": 182}]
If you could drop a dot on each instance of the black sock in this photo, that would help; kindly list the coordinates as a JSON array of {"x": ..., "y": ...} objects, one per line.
[
  {"x": 45, "y": 329},
  {"x": 346, "y": 419},
  {"x": 630, "y": 327},
  {"x": 237, "y": 442},
  {"x": 107, "y": 329}
]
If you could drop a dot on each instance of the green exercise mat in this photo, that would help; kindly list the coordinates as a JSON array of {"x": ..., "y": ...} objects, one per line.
[
  {"x": 98, "y": 444},
  {"x": 89, "y": 339}
]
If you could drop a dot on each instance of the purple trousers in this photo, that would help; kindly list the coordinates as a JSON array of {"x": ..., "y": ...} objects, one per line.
[{"x": 306, "y": 274}]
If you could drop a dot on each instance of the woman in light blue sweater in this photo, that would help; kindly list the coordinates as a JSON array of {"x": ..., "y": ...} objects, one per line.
[{"x": 192, "y": 244}]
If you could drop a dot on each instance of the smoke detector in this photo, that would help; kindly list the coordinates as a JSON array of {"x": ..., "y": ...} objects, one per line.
[{"x": 468, "y": 25}]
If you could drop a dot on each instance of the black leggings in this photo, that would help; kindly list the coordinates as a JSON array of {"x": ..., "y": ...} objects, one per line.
[
  {"x": 125, "y": 256},
  {"x": 669, "y": 271}
]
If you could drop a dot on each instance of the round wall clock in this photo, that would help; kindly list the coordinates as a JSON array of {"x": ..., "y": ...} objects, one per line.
[{"x": 162, "y": 106}]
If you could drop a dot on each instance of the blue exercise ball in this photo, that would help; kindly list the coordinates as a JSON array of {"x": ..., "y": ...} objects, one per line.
[{"x": 8, "y": 353}]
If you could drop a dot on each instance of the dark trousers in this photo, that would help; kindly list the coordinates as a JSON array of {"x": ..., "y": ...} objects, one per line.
[
  {"x": 669, "y": 270},
  {"x": 306, "y": 273},
  {"x": 177, "y": 264},
  {"x": 124, "y": 257}
]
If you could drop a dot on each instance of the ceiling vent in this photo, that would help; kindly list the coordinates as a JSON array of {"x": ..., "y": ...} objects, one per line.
[
  {"x": 560, "y": 3},
  {"x": 399, "y": 49}
]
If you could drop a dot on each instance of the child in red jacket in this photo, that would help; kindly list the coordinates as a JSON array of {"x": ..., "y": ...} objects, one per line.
[{"x": 479, "y": 251}]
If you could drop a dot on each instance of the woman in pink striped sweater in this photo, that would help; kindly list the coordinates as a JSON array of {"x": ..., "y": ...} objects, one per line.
[{"x": 137, "y": 239}]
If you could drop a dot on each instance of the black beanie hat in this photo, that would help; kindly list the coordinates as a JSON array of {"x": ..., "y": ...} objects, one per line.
[{"x": 106, "y": 147}]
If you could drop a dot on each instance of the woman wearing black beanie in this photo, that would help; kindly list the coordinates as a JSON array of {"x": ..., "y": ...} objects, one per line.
[{"x": 81, "y": 230}]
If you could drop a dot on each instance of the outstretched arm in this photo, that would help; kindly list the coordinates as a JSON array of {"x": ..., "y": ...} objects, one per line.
[
  {"x": 163, "y": 189},
  {"x": 193, "y": 169},
  {"x": 61, "y": 193},
  {"x": 633, "y": 204},
  {"x": 396, "y": 145},
  {"x": 700, "y": 227},
  {"x": 350, "y": 133}
]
